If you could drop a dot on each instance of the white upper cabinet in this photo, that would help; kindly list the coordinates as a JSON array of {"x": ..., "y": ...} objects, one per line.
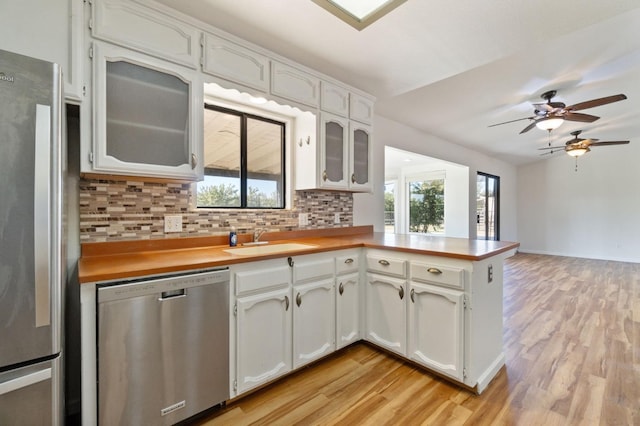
[
  {"x": 334, "y": 151},
  {"x": 361, "y": 109},
  {"x": 360, "y": 157},
  {"x": 293, "y": 84},
  {"x": 147, "y": 116},
  {"x": 136, "y": 27},
  {"x": 334, "y": 99},
  {"x": 232, "y": 62}
]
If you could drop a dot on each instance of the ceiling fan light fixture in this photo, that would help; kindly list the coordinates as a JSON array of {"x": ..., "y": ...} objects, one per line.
[
  {"x": 549, "y": 123},
  {"x": 577, "y": 151}
]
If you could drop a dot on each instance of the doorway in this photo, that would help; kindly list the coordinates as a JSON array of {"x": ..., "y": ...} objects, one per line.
[{"x": 488, "y": 207}]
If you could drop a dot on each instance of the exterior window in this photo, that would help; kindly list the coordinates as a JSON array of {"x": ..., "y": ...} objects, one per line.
[
  {"x": 426, "y": 205},
  {"x": 244, "y": 161}
]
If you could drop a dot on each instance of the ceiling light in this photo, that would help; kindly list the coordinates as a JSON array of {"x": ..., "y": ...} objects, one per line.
[
  {"x": 577, "y": 151},
  {"x": 359, "y": 13},
  {"x": 549, "y": 123}
]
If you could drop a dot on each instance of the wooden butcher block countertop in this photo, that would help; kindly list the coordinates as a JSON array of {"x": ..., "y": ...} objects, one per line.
[{"x": 129, "y": 259}]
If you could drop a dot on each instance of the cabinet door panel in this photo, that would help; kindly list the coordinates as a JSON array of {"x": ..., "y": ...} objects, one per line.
[
  {"x": 134, "y": 26},
  {"x": 263, "y": 339},
  {"x": 334, "y": 151},
  {"x": 360, "y": 157},
  {"x": 294, "y": 84},
  {"x": 334, "y": 99},
  {"x": 436, "y": 328},
  {"x": 347, "y": 309},
  {"x": 233, "y": 62},
  {"x": 361, "y": 109},
  {"x": 386, "y": 312},
  {"x": 146, "y": 116},
  {"x": 313, "y": 321}
]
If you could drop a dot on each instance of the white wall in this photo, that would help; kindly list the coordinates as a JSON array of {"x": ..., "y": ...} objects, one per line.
[
  {"x": 368, "y": 208},
  {"x": 590, "y": 213}
]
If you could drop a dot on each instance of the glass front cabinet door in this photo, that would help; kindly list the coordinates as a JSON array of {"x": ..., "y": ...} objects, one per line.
[
  {"x": 334, "y": 151},
  {"x": 360, "y": 157},
  {"x": 146, "y": 114}
]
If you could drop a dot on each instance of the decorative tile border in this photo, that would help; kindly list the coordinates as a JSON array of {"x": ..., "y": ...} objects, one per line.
[{"x": 112, "y": 210}]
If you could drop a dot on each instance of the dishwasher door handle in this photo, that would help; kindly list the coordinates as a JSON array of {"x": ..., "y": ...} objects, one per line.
[{"x": 172, "y": 294}]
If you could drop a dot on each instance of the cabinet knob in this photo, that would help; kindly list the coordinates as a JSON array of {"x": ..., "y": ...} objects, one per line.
[
  {"x": 435, "y": 271},
  {"x": 324, "y": 175},
  {"x": 353, "y": 178},
  {"x": 401, "y": 292},
  {"x": 286, "y": 303},
  {"x": 194, "y": 161},
  {"x": 341, "y": 289},
  {"x": 298, "y": 300},
  {"x": 413, "y": 292}
]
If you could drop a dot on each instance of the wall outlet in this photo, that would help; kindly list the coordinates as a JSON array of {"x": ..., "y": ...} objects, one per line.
[
  {"x": 303, "y": 219},
  {"x": 336, "y": 218},
  {"x": 173, "y": 223}
]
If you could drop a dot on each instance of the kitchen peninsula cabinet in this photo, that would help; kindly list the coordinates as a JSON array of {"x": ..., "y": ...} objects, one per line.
[
  {"x": 386, "y": 303},
  {"x": 436, "y": 328}
]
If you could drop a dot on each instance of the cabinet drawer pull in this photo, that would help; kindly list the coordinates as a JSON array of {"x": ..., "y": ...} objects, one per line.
[
  {"x": 298, "y": 300},
  {"x": 348, "y": 261},
  {"x": 434, "y": 271},
  {"x": 413, "y": 292},
  {"x": 290, "y": 261},
  {"x": 194, "y": 161},
  {"x": 384, "y": 262},
  {"x": 286, "y": 303},
  {"x": 324, "y": 175},
  {"x": 341, "y": 289},
  {"x": 401, "y": 292}
]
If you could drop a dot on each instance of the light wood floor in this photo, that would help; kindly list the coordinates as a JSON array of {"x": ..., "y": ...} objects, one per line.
[{"x": 572, "y": 345}]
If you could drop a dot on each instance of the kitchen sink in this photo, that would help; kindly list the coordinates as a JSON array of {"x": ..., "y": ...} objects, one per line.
[{"x": 268, "y": 249}]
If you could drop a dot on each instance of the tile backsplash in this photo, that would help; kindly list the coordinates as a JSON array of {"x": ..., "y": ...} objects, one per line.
[{"x": 115, "y": 210}]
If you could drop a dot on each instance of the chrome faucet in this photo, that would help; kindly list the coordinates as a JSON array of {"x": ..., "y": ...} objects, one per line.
[{"x": 257, "y": 234}]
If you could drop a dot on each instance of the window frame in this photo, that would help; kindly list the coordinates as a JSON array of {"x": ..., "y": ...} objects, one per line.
[{"x": 244, "y": 115}]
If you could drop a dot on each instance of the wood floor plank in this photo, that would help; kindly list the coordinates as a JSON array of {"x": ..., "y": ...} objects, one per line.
[{"x": 572, "y": 348}]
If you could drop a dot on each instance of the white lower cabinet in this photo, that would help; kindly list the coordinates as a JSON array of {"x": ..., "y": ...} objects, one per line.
[
  {"x": 263, "y": 338},
  {"x": 313, "y": 321},
  {"x": 261, "y": 323},
  {"x": 347, "y": 309},
  {"x": 387, "y": 312},
  {"x": 436, "y": 328}
]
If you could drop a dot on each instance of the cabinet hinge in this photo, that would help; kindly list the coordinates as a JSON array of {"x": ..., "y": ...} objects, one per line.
[
  {"x": 465, "y": 303},
  {"x": 91, "y": 52},
  {"x": 235, "y": 385},
  {"x": 235, "y": 310},
  {"x": 464, "y": 373},
  {"x": 91, "y": 157},
  {"x": 90, "y": 24}
]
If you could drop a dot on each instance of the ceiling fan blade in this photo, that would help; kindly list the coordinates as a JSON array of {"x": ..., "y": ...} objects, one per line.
[
  {"x": 551, "y": 148},
  {"x": 596, "y": 102},
  {"x": 583, "y": 118},
  {"x": 529, "y": 127},
  {"x": 609, "y": 143},
  {"x": 511, "y": 121}
]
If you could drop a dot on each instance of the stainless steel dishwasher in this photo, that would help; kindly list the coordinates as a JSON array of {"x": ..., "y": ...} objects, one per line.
[{"x": 163, "y": 347}]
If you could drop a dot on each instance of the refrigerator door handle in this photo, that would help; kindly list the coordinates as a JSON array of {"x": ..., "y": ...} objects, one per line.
[
  {"x": 24, "y": 381},
  {"x": 42, "y": 215}
]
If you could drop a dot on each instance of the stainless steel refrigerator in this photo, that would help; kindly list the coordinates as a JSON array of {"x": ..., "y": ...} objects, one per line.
[{"x": 31, "y": 253}]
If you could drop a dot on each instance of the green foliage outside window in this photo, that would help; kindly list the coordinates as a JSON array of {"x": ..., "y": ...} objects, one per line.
[{"x": 426, "y": 206}]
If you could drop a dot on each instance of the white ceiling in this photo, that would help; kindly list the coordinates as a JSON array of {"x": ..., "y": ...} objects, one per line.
[{"x": 451, "y": 68}]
